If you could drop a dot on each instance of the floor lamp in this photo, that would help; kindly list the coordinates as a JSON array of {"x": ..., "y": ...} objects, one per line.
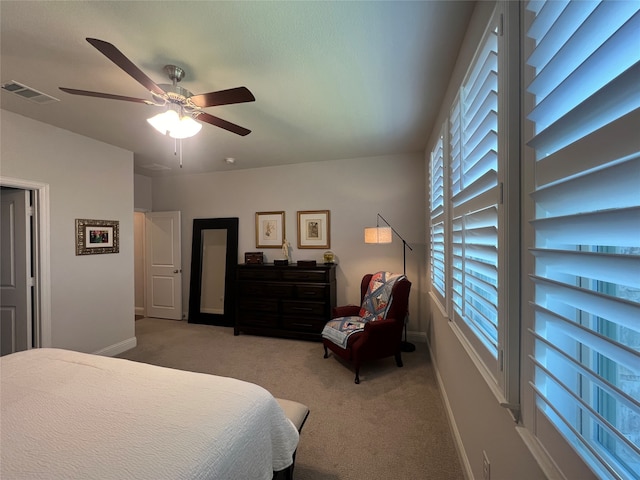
[{"x": 380, "y": 234}]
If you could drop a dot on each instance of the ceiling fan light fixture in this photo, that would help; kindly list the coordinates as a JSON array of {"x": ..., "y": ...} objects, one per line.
[
  {"x": 185, "y": 127},
  {"x": 175, "y": 124},
  {"x": 164, "y": 122}
]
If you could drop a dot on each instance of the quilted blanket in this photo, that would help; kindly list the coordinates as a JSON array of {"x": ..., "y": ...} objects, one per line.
[
  {"x": 68, "y": 415},
  {"x": 340, "y": 329},
  {"x": 375, "y": 306},
  {"x": 377, "y": 300}
]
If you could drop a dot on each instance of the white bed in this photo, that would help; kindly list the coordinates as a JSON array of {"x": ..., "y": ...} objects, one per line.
[{"x": 69, "y": 415}]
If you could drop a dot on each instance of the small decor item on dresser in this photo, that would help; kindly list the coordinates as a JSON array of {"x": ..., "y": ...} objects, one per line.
[
  {"x": 254, "y": 258},
  {"x": 281, "y": 262},
  {"x": 306, "y": 263},
  {"x": 329, "y": 257}
]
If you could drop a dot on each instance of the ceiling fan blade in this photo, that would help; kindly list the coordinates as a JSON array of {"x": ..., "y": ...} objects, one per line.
[
  {"x": 218, "y": 122},
  {"x": 223, "y": 97},
  {"x": 110, "y": 96},
  {"x": 117, "y": 57}
]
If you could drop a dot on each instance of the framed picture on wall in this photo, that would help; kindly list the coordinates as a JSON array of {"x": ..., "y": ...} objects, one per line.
[
  {"x": 97, "y": 236},
  {"x": 314, "y": 229},
  {"x": 270, "y": 231}
]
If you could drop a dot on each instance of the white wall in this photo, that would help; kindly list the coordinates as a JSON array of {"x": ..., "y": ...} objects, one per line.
[
  {"x": 354, "y": 190},
  {"x": 142, "y": 199},
  {"x": 481, "y": 424},
  {"x": 91, "y": 295}
]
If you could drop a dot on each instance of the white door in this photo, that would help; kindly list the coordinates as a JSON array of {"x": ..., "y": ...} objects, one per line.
[
  {"x": 15, "y": 271},
  {"x": 163, "y": 265}
]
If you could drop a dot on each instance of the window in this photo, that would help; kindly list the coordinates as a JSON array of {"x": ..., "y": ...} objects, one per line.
[
  {"x": 468, "y": 232},
  {"x": 437, "y": 229},
  {"x": 582, "y": 68}
]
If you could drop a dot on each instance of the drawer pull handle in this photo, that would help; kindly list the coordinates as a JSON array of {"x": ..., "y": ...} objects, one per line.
[
  {"x": 303, "y": 325},
  {"x": 303, "y": 309}
]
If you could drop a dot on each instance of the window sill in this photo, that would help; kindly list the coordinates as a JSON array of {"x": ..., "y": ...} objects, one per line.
[{"x": 514, "y": 410}]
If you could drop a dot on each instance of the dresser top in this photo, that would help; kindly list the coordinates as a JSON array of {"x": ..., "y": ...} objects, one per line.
[{"x": 290, "y": 266}]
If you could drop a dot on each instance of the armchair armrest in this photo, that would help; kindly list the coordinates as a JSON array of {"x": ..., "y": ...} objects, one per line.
[
  {"x": 380, "y": 338},
  {"x": 382, "y": 328},
  {"x": 345, "y": 311}
]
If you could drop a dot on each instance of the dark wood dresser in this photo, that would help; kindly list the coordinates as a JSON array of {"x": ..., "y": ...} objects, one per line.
[{"x": 285, "y": 301}]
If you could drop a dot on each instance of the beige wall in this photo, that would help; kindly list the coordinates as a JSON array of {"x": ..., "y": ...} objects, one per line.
[
  {"x": 354, "y": 191},
  {"x": 91, "y": 295}
]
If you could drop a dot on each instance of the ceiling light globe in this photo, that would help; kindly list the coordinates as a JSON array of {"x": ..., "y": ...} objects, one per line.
[
  {"x": 186, "y": 127},
  {"x": 165, "y": 122}
]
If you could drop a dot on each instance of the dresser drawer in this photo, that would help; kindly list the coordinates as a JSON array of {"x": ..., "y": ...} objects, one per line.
[
  {"x": 258, "y": 319},
  {"x": 258, "y": 274},
  {"x": 258, "y": 305},
  {"x": 302, "y": 324},
  {"x": 303, "y": 309},
  {"x": 304, "y": 275},
  {"x": 273, "y": 290},
  {"x": 279, "y": 290},
  {"x": 252, "y": 289},
  {"x": 311, "y": 292}
]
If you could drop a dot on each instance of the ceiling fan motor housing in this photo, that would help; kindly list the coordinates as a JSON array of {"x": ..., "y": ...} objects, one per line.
[{"x": 175, "y": 73}]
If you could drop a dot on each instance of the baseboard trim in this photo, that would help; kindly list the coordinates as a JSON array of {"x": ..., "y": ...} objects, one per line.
[
  {"x": 140, "y": 311},
  {"x": 457, "y": 438},
  {"x": 417, "y": 337},
  {"x": 117, "y": 348}
]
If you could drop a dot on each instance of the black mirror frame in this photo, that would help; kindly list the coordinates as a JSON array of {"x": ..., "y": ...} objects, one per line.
[{"x": 195, "y": 316}]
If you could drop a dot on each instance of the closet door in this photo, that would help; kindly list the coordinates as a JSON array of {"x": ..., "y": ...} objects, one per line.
[{"x": 163, "y": 265}]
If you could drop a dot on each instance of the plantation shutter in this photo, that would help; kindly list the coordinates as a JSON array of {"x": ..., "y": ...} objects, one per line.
[
  {"x": 475, "y": 196},
  {"x": 585, "y": 84},
  {"x": 438, "y": 220}
]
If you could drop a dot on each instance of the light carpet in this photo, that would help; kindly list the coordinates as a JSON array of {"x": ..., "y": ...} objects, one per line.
[{"x": 391, "y": 426}]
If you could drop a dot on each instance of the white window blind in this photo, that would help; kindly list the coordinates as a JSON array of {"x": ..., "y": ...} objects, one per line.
[
  {"x": 584, "y": 80},
  {"x": 473, "y": 127},
  {"x": 437, "y": 229}
]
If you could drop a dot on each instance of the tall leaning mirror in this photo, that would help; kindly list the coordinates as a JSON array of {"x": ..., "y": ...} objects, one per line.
[{"x": 214, "y": 256}]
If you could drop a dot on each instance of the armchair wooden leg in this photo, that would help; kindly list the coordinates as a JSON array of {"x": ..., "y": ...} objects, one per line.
[
  {"x": 357, "y": 381},
  {"x": 326, "y": 352},
  {"x": 399, "y": 359}
]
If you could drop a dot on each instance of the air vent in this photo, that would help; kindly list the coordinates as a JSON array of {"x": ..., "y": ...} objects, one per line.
[
  {"x": 28, "y": 93},
  {"x": 155, "y": 167}
]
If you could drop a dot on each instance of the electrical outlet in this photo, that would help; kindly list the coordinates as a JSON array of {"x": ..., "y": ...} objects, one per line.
[{"x": 486, "y": 467}]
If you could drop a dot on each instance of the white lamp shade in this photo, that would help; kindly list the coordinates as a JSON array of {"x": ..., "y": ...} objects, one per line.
[
  {"x": 170, "y": 122},
  {"x": 186, "y": 127},
  {"x": 164, "y": 122},
  {"x": 378, "y": 235}
]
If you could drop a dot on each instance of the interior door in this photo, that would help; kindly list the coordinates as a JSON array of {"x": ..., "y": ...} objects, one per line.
[
  {"x": 15, "y": 271},
  {"x": 163, "y": 265}
]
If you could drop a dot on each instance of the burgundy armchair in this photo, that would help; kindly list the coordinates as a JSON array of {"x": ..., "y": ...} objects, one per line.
[{"x": 378, "y": 338}]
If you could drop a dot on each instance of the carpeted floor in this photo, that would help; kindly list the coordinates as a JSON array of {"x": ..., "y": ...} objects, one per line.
[{"x": 391, "y": 426}]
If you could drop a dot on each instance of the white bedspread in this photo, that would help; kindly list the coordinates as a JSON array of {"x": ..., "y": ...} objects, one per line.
[{"x": 69, "y": 415}]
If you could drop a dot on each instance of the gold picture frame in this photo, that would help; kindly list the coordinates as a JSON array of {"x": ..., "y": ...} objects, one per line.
[
  {"x": 270, "y": 231},
  {"x": 314, "y": 229},
  {"x": 97, "y": 236}
]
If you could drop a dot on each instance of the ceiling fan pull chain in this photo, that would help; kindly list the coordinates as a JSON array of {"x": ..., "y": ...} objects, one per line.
[{"x": 175, "y": 149}]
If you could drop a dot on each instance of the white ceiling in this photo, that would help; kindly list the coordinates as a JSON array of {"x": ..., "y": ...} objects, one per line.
[{"x": 332, "y": 79}]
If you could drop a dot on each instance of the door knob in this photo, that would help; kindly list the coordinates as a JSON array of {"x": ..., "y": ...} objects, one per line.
[{"x": 177, "y": 271}]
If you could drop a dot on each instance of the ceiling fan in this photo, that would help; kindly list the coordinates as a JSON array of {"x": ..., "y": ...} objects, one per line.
[{"x": 176, "y": 98}]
